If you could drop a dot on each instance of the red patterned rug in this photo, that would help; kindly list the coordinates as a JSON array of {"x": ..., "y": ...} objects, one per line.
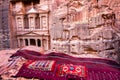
[{"x": 67, "y": 67}]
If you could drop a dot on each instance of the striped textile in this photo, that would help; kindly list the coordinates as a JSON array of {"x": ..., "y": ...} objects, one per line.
[{"x": 45, "y": 65}]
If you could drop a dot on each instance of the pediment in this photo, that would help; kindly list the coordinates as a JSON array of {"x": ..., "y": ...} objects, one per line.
[
  {"x": 31, "y": 33},
  {"x": 43, "y": 8},
  {"x": 20, "y": 12},
  {"x": 32, "y": 10}
]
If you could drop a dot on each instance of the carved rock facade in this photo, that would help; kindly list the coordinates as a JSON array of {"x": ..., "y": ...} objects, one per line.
[{"x": 30, "y": 23}]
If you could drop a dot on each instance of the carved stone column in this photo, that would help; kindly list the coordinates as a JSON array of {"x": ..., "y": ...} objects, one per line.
[
  {"x": 36, "y": 42},
  {"x": 28, "y": 41},
  {"x": 24, "y": 42},
  {"x": 18, "y": 42}
]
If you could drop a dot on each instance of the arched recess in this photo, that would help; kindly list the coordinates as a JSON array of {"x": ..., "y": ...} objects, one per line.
[{"x": 26, "y": 22}]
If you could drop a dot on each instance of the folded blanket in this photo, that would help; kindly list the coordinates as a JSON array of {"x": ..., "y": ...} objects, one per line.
[
  {"x": 33, "y": 55},
  {"x": 27, "y": 54}
]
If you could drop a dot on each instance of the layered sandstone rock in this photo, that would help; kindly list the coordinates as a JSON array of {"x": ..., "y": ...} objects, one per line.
[{"x": 93, "y": 29}]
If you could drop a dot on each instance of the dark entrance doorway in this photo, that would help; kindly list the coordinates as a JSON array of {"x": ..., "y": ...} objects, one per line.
[
  {"x": 32, "y": 42},
  {"x": 26, "y": 42},
  {"x": 39, "y": 42}
]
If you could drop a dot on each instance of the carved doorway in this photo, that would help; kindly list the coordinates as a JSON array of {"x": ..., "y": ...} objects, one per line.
[
  {"x": 32, "y": 42},
  {"x": 39, "y": 42}
]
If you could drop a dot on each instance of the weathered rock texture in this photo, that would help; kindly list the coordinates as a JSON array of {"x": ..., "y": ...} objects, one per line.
[
  {"x": 94, "y": 29},
  {"x": 4, "y": 25}
]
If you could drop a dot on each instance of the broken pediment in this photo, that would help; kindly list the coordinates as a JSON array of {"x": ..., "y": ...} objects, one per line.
[
  {"x": 43, "y": 8},
  {"x": 21, "y": 12},
  {"x": 43, "y": 11}
]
